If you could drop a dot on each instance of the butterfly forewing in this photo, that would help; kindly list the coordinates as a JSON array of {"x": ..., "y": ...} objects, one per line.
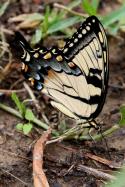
[
  {"x": 88, "y": 50},
  {"x": 76, "y": 77}
]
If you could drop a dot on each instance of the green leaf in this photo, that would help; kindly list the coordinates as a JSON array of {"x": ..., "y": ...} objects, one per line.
[
  {"x": 114, "y": 16},
  {"x": 36, "y": 37},
  {"x": 4, "y": 7},
  {"x": 113, "y": 29},
  {"x": 27, "y": 128},
  {"x": 95, "y": 5},
  {"x": 45, "y": 23},
  {"x": 122, "y": 112},
  {"x": 119, "y": 181},
  {"x": 87, "y": 6},
  {"x": 21, "y": 107},
  {"x": 29, "y": 115},
  {"x": 62, "y": 126},
  {"x": 62, "y": 24},
  {"x": 19, "y": 126},
  {"x": 74, "y": 4},
  {"x": 34, "y": 17}
]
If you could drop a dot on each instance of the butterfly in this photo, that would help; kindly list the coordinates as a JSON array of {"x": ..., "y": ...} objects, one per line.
[{"x": 75, "y": 77}]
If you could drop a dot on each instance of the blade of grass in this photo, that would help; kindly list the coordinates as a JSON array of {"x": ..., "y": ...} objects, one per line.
[
  {"x": 21, "y": 107},
  {"x": 4, "y": 7},
  {"x": 95, "y": 5},
  {"x": 74, "y": 4},
  {"x": 114, "y": 16},
  {"x": 63, "y": 24},
  {"x": 119, "y": 181},
  {"x": 87, "y": 6}
]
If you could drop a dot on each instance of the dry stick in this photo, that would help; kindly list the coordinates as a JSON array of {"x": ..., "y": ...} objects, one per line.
[
  {"x": 101, "y": 160},
  {"x": 109, "y": 163},
  {"x": 95, "y": 172},
  {"x": 11, "y": 91},
  {"x": 69, "y": 10},
  {"x": 39, "y": 177},
  {"x": 7, "y": 31},
  {"x": 32, "y": 96},
  {"x": 5, "y": 171}
]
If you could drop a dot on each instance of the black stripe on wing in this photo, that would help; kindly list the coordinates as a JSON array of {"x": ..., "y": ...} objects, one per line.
[{"x": 90, "y": 38}]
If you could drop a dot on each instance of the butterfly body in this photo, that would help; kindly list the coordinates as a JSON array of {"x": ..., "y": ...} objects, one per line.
[{"x": 75, "y": 77}]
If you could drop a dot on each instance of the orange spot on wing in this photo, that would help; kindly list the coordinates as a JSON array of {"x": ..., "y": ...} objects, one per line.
[
  {"x": 26, "y": 68},
  {"x": 31, "y": 80}
]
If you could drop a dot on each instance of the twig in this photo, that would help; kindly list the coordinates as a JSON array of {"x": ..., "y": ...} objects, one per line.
[
  {"x": 95, "y": 172},
  {"x": 70, "y": 168},
  {"x": 109, "y": 163},
  {"x": 40, "y": 179},
  {"x": 7, "y": 31},
  {"x": 11, "y": 91},
  {"x": 116, "y": 86},
  {"x": 5, "y": 171},
  {"x": 32, "y": 96},
  {"x": 69, "y": 10}
]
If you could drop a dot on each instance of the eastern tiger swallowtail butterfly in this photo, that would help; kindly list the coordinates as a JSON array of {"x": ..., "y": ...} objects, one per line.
[{"x": 75, "y": 77}]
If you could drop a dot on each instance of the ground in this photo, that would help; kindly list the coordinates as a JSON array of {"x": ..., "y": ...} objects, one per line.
[{"x": 16, "y": 148}]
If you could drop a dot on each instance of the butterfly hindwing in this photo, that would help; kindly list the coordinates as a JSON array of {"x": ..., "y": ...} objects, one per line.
[{"x": 75, "y": 77}]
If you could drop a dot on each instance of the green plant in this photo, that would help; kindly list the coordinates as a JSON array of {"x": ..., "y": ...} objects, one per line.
[
  {"x": 122, "y": 120},
  {"x": 26, "y": 114},
  {"x": 112, "y": 21},
  {"x": 53, "y": 21},
  {"x": 90, "y": 7},
  {"x": 119, "y": 181},
  {"x": 3, "y": 7}
]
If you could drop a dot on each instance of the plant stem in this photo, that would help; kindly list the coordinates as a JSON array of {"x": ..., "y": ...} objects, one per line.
[
  {"x": 99, "y": 136},
  {"x": 35, "y": 120},
  {"x": 70, "y": 11},
  {"x": 72, "y": 133},
  {"x": 11, "y": 110}
]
